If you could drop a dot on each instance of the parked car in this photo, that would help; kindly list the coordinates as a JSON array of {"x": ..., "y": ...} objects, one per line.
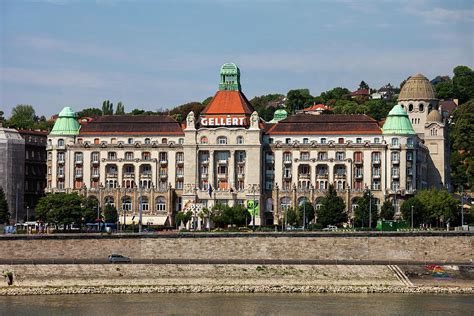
[
  {"x": 330, "y": 228},
  {"x": 115, "y": 258}
]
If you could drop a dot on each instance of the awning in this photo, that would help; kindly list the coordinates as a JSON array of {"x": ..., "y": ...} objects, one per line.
[{"x": 146, "y": 220}]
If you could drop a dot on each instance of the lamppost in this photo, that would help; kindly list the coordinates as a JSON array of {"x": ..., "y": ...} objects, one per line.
[
  {"x": 412, "y": 217},
  {"x": 370, "y": 206},
  {"x": 462, "y": 205},
  {"x": 140, "y": 208},
  {"x": 254, "y": 188}
]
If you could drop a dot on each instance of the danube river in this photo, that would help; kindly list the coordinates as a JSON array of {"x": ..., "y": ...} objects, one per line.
[{"x": 239, "y": 304}]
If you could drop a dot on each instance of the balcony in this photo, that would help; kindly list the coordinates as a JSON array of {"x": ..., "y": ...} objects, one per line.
[
  {"x": 358, "y": 161},
  {"x": 222, "y": 176},
  {"x": 95, "y": 161},
  {"x": 304, "y": 175},
  {"x": 163, "y": 162},
  {"x": 163, "y": 176},
  {"x": 241, "y": 175},
  {"x": 287, "y": 175},
  {"x": 340, "y": 176},
  {"x": 180, "y": 162},
  {"x": 241, "y": 162},
  {"x": 395, "y": 175},
  {"x": 61, "y": 160},
  {"x": 78, "y": 161},
  {"x": 222, "y": 161},
  {"x": 128, "y": 175},
  {"x": 376, "y": 176},
  {"x": 146, "y": 175},
  {"x": 205, "y": 161},
  {"x": 204, "y": 175},
  {"x": 359, "y": 176},
  {"x": 95, "y": 175},
  {"x": 324, "y": 175},
  {"x": 395, "y": 161},
  {"x": 78, "y": 174},
  {"x": 395, "y": 146},
  {"x": 287, "y": 161},
  {"x": 376, "y": 161},
  {"x": 60, "y": 175},
  {"x": 180, "y": 175},
  {"x": 111, "y": 175}
]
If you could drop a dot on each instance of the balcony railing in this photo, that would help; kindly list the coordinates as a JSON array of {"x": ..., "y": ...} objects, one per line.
[
  {"x": 304, "y": 175},
  {"x": 340, "y": 175},
  {"x": 324, "y": 175},
  {"x": 128, "y": 175},
  {"x": 111, "y": 175},
  {"x": 287, "y": 176},
  {"x": 376, "y": 161},
  {"x": 287, "y": 161}
]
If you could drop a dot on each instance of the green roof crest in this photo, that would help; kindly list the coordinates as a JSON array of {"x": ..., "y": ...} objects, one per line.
[
  {"x": 397, "y": 122},
  {"x": 66, "y": 124}
]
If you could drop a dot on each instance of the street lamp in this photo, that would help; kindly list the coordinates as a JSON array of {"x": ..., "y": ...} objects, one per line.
[
  {"x": 412, "y": 217},
  {"x": 254, "y": 206}
]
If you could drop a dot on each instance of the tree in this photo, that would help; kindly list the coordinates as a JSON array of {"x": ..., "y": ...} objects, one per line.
[
  {"x": 363, "y": 85},
  {"x": 61, "y": 209},
  {"x": 90, "y": 206},
  {"x": 1, "y": 116},
  {"x": 462, "y": 142},
  {"x": 223, "y": 215},
  {"x": 440, "y": 206},
  {"x": 419, "y": 214},
  {"x": 110, "y": 214},
  {"x": 365, "y": 208},
  {"x": 23, "y": 117},
  {"x": 266, "y": 105},
  {"x": 337, "y": 93},
  {"x": 120, "y": 110},
  {"x": 445, "y": 90},
  {"x": 4, "y": 213},
  {"x": 207, "y": 101},
  {"x": 107, "y": 108},
  {"x": 297, "y": 99},
  {"x": 89, "y": 112},
  {"x": 332, "y": 209},
  {"x": 305, "y": 211},
  {"x": 387, "y": 211},
  {"x": 184, "y": 217},
  {"x": 463, "y": 83},
  {"x": 291, "y": 217}
]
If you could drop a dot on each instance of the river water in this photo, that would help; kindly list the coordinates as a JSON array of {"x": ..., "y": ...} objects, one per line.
[{"x": 239, "y": 304}]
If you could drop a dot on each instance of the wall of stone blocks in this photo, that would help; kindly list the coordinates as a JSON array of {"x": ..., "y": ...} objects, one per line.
[{"x": 456, "y": 248}]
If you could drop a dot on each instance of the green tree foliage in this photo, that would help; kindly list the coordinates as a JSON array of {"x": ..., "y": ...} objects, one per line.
[
  {"x": 207, "y": 101},
  {"x": 1, "y": 116},
  {"x": 266, "y": 105},
  {"x": 61, "y": 209},
  {"x": 298, "y": 99},
  {"x": 107, "y": 108},
  {"x": 462, "y": 141},
  {"x": 179, "y": 113},
  {"x": 90, "y": 206},
  {"x": 23, "y": 117},
  {"x": 89, "y": 112},
  {"x": 120, "y": 110},
  {"x": 463, "y": 82},
  {"x": 439, "y": 206},
  {"x": 364, "y": 209},
  {"x": 137, "y": 112},
  {"x": 419, "y": 214},
  {"x": 332, "y": 209},
  {"x": 223, "y": 215},
  {"x": 110, "y": 214},
  {"x": 335, "y": 94},
  {"x": 184, "y": 217},
  {"x": 305, "y": 210},
  {"x": 445, "y": 90},
  {"x": 363, "y": 85},
  {"x": 4, "y": 213},
  {"x": 387, "y": 211},
  {"x": 291, "y": 217}
]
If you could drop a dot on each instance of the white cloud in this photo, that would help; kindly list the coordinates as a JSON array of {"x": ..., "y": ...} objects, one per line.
[{"x": 438, "y": 15}]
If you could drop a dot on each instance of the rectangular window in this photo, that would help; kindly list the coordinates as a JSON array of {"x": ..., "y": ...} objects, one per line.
[
  {"x": 304, "y": 156},
  {"x": 340, "y": 155}
]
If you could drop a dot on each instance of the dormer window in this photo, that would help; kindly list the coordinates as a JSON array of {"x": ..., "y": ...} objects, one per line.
[
  {"x": 130, "y": 141},
  {"x": 221, "y": 140},
  {"x": 61, "y": 142}
]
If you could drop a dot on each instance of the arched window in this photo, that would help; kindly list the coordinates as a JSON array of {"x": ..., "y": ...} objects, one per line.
[
  {"x": 181, "y": 141},
  {"x": 147, "y": 141},
  {"x": 421, "y": 107},
  {"x": 410, "y": 107},
  {"x": 60, "y": 142},
  {"x": 285, "y": 203},
  {"x": 395, "y": 141},
  {"x": 109, "y": 200},
  {"x": 96, "y": 141},
  {"x": 340, "y": 141},
  {"x": 160, "y": 204},
  {"x": 164, "y": 140},
  {"x": 240, "y": 140},
  {"x": 126, "y": 203},
  {"x": 144, "y": 203},
  {"x": 204, "y": 140},
  {"x": 130, "y": 141},
  {"x": 305, "y": 141},
  {"x": 221, "y": 140}
]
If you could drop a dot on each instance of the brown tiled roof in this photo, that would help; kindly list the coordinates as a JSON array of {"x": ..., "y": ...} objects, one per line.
[
  {"x": 360, "y": 92},
  {"x": 447, "y": 106},
  {"x": 327, "y": 124},
  {"x": 228, "y": 102},
  {"x": 132, "y": 125}
]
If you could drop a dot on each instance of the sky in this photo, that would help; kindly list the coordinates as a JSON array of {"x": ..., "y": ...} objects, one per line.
[{"x": 159, "y": 54}]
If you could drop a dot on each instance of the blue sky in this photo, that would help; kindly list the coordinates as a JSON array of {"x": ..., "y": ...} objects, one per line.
[{"x": 158, "y": 54}]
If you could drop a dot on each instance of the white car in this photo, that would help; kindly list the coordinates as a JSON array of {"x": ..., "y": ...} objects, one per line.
[{"x": 330, "y": 228}]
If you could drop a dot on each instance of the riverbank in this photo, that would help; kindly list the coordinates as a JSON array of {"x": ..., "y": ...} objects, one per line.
[{"x": 206, "y": 278}]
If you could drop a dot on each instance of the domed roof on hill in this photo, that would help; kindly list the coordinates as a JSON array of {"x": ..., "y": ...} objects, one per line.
[
  {"x": 434, "y": 116},
  {"x": 417, "y": 87}
]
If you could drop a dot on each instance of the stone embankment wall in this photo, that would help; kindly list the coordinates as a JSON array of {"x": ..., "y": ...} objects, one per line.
[{"x": 428, "y": 247}]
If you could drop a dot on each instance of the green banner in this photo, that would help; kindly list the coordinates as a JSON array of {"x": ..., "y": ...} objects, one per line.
[{"x": 251, "y": 207}]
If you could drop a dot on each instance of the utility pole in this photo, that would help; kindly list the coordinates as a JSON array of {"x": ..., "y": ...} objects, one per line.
[
  {"x": 140, "y": 207},
  {"x": 370, "y": 209},
  {"x": 462, "y": 205},
  {"x": 412, "y": 217},
  {"x": 254, "y": 207}
]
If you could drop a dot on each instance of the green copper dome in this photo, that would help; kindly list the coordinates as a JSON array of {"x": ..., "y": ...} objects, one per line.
[
  {"x": 230, "y": 77},
  {"x": 279, "y": 115},
  {"x": 66, "y": 124},
  {"x": 397, "y": 122}
]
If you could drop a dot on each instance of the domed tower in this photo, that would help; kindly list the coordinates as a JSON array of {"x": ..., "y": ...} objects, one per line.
[
  {"x": 230, "y": 77},
  {"x": 418, "y": 98},
  {"x": 64, "y": 132}
]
